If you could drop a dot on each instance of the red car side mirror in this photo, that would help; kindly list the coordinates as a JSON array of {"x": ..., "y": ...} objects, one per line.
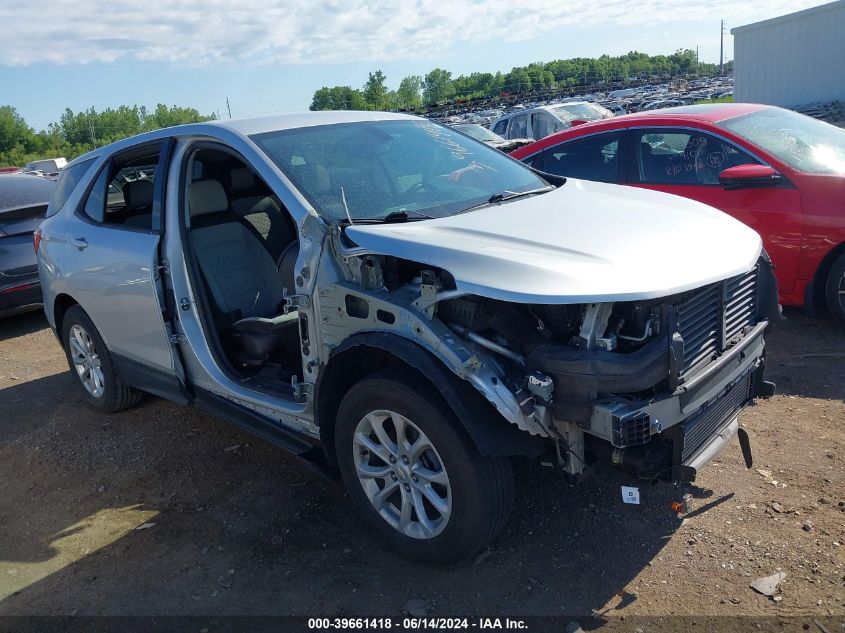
[{"x": 742, "y": 176}]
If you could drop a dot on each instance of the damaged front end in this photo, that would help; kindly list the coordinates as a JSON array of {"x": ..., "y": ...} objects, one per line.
[{"x": 653, "y": 386}]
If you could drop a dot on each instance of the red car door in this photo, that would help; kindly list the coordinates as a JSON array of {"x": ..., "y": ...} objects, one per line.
[{"x": 687, "y": 162}]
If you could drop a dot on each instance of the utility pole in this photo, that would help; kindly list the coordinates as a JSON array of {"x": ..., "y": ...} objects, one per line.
[
  {"x": 722, "y": 49},
  {"x": 91, "y": 130},
  {"x": 228, "y": 107}
]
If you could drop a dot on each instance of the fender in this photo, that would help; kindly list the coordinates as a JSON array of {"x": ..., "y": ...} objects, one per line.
[{"x": 492, "y": 435}]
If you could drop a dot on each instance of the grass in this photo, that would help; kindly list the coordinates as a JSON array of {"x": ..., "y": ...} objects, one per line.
[{"x": 728, "y": 99}]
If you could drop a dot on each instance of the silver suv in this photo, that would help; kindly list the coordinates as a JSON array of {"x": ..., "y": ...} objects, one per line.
[
  {"x": 407, "y": 308},
  {"x": 540, "y": 122}
]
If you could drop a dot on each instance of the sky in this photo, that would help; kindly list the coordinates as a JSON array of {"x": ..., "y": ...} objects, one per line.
[{"x": 271, "y": 55}]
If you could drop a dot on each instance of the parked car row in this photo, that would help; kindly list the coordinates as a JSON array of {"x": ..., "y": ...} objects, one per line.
[
  {"x": 779, "y": 172},
  {"x": 408, "y": 309},
  {"x": 620, "y": 101}
]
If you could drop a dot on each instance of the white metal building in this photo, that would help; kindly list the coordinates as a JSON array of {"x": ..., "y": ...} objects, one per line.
[{"x": 793, "y": 59}]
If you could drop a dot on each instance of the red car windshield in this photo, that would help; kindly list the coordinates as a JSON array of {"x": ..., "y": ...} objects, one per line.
[{"x": 801, "y": 142}]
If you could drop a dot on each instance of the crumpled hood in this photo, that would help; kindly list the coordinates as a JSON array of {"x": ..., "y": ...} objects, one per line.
[{"x": 584, "y": 242}]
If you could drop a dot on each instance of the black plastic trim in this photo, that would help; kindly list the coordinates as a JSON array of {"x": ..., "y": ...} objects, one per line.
[
  {"x": 301, "y": 445},
  {"x": 581, "y": 375},
  {"x": 150, "y": 380},
  {"x": 492, "y": 435}
]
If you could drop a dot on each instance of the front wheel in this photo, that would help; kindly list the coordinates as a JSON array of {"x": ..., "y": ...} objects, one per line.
[
  {"x": 91, "y": 363},
  {"x": 414, "y": 475},
  {"x": 835, "y": 289}
]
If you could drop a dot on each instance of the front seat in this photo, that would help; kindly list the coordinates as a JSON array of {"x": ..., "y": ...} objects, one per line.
[
  {"x": 251, "y": 202},
  {"x": 241, "y": 276}
]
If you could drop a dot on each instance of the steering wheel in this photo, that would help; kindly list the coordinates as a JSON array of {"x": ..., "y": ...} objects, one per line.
[{"x": 418, "y": 187}]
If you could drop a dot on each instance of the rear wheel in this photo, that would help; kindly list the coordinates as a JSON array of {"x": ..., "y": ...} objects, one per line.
[
  {"x": 835, "y": 288},
  {"x": 91, "y": 363},
  {"x": 414, "y": 475}
]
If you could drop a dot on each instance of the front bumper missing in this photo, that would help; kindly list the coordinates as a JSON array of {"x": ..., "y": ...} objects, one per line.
[{"x": 680, "y": 433}]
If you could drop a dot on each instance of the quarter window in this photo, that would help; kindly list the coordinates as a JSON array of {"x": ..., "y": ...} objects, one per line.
[
  {"x": 543, "y": 124},
  {"x": 685, "y": 157},
  {"x": 590, "y": 158},
  {"x": 68, "y": 179}
]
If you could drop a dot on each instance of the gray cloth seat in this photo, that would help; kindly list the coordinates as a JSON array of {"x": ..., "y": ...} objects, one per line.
[
  {"x": 244, "y": 199},
  {"x": 249, "y": 200},
  {"x": 138, "y": 197},
  {"x": 240, "y": 275}
]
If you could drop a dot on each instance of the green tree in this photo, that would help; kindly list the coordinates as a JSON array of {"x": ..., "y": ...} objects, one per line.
[
  {"x": 15, "y": 135},
  {"x": 409, "y": 94},
  {"x": 437, "y": 86},
  {"x": 164, "y": 116},
  {"x": 78, "y": 132},
  {"x": 518, "y": 80},
  {"x": 338, "y": 98},
  {"x": 375, "y": 91}
]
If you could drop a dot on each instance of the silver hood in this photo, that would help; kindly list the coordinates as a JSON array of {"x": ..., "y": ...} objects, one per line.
[{"x": 584, "y": 242}]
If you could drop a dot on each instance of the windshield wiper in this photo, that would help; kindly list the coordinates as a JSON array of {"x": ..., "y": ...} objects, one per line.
[
  {"x": 504, "y": 196},
  {"x": 404, "y": 214},
  {"x": 395, "y": 216}
]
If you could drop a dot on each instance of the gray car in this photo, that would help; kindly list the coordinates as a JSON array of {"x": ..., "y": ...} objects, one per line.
[
  {"x": 406, "y": 308},
  {"x": 23, "y": 201}
]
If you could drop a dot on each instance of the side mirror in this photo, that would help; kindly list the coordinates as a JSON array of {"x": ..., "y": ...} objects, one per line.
[{"x": 746, "y": 176}]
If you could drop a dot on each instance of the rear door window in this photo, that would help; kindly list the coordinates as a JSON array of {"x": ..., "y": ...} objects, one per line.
[
  {"x": 124, "y": 191},
  {"x": 590, "y": 158},
  {"x": 543, "y": 124}
]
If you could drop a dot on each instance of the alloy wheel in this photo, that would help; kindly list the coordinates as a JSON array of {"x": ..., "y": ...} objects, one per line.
[
  {"x": 86, "y": 361},
  {"x": 841, "y": 291},
  {"x": 402, "y": 474}
]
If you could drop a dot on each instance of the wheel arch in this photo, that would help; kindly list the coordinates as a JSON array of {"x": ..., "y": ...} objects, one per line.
[
  {"x": 817, "y": 291},
  {"x": 61, "y": 304},
  {"x": 367, "y": 353}
]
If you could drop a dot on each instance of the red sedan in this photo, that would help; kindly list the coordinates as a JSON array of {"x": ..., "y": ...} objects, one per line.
[{"x": 781, "y": 173}]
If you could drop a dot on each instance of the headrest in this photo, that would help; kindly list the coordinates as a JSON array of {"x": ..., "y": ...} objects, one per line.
[
  {"x": 138, "y": 193},
  {"x": 206, "y": 196},
  {"x": 242, "y": 179}
]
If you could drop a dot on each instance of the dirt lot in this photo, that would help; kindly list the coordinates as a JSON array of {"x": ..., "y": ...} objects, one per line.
[{"x": 166, "y": 510}]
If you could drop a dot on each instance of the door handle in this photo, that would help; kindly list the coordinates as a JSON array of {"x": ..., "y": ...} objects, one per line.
[{"x": 80, "y": 243}]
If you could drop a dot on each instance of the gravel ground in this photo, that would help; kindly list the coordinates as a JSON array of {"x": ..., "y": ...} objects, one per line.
[{"x": 166, "y": 510}]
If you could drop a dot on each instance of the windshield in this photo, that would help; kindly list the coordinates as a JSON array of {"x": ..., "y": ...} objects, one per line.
[
  {"x": 371, "y": 169},
  {"x": 572, "y": 111},
  {"x": 801, "y": 142},
  {"x": 478, "y": 132}
]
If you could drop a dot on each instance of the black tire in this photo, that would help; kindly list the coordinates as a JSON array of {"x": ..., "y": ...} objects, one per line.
[
  {"x": 835, "y": 285},
  {"x": 116, "y": 395},
  {"x": 482, "y": 489}
]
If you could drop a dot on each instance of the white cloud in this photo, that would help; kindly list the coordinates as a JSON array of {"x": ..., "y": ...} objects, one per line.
[{"x": 211, "y": 32}]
